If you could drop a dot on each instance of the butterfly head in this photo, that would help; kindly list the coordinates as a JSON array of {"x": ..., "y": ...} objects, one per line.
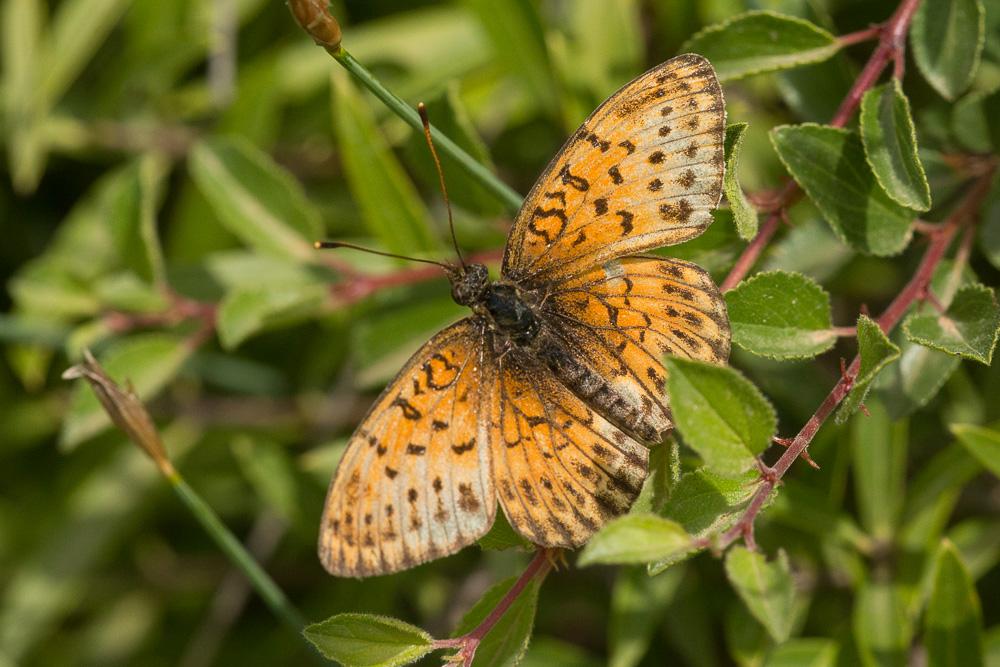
[{"x": 469, "y": 283}]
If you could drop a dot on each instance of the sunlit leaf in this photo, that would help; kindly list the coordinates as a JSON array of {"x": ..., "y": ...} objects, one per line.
[
  {"x": 968, "y": 328},
  {"x": 781, "y": 315},
  {"x": 890, "y": 142},
  {"x": 364, "y": 640},
  {"x": 983, "y": 443},
  {"x": 635, "y": 538},
  {"x": 829, "y": 164},
  {"x": 761, "y": 41},
  {"x": 744, "y": 215},
  {"x": 720, "y": 414}
]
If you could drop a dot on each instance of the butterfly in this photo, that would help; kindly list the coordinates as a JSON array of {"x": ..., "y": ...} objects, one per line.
[{"x": 544, "y": 399}]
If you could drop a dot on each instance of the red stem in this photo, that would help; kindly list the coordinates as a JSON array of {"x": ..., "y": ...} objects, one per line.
[
  {"x": 911, "y": 292},
  {"x": 468, "y": 643},
  {"x": 891, "y": 38}
]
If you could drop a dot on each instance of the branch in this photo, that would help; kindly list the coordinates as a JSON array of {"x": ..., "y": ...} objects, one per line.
[
  {"x": 468, "y": 643},
  {"x": 913, "y": 291},
  {"x": 892, "y": 36}
]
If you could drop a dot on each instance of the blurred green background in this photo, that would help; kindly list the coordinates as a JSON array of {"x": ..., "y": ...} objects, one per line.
[{"x": 136, "y": 135}]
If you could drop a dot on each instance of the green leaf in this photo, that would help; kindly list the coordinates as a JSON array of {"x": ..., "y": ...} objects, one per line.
[
  {"x": 704, "y": 502},
  {"x": 254, "y": 198},
  {"x": 952, "y": 624},
  {"x": 761, "y": 41},
  {"x": 390, "y": 205},
  {"x": 829, "y": 164},
  {"x": 781, "y": 315},
  {"x": 635, "y": 538},
  {"x": 149, "y": 361},
  {"x": 720, "y": 414},
  {"x": 246, "y": 312},
  {"x": 502, "y": 535},
  {"x": 269, "y": 469},
  {"x": 744, "y": 214},
  {"x": 947, "y": 39},
  {"x": 882, "y": 628},
  {"x": 364, "y": 640},
  {"x": 812, "y": 652},
  {"x": 877, "y": 352},
  {"x": 507, "y": 641},
  {"x": 765, "y": 587},
  {"x": 983, "y": 443},
  {"x": 972, "y": 121},
  {"x": 967, "y": 329},
  {"x": 637, "y": 605},
  {"x": 890, "y": 142},
  {"x": 747, "y": 640},
  {"x": 878, "y": 449}
]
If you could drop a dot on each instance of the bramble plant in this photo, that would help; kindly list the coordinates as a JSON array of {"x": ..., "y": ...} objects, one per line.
[{"x": 162, "y": 194}]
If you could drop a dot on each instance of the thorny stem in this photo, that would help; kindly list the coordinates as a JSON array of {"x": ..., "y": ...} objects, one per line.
[
  {"x": 468, "y": 643},
  {"x": 892, "y": 36},
  {"x": 912, "y": 292}
]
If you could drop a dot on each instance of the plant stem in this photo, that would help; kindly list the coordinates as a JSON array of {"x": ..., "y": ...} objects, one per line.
[
  {"x": 468, "y": 643},
  {"x": 234, "y": 550},
  {"x": 503, "y": 192},
  {"x": 940, "y": 240}
]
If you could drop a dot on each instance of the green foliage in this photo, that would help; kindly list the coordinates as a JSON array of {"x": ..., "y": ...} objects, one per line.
[
  {"x": 160, "y": 193},
  {"x": 967, "y": 329},
  {"x": 876, "y": 352},
  {"x": 766, "y": 588},
  {"x": 947, "y": 40},
  {"x": 363, "y": 640},
  {"x": 720, "y": 414},
  {"x": 829, "y": 164},
  {"x": 758, "y": 42},
  {"x": 744, "y": 215},
  {"x": 890, "y": 141},
  {"x": 781, "y": 315},
  {"x": 953, "y": 620}
]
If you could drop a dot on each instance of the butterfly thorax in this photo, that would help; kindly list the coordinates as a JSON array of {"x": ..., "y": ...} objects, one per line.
[{"x": 507, "y": 310}]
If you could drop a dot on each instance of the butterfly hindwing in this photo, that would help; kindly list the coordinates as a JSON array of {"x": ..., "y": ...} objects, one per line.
[
  {"x": 623, "y": 317},
  {"x": 561, "y": 470},
  {"x": 643, "y": 171},
  {"x": 414, "y": 483}
]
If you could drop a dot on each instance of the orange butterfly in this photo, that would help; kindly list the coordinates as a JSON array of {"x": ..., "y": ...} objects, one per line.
[{"x": 541, "y": 398}]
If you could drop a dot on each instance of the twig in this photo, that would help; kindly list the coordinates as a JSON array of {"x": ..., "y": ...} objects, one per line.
[
  {"x": 891, "y": 38},
  {"x": 911, "y": 292},
  {"x": 468, "y": 643}
]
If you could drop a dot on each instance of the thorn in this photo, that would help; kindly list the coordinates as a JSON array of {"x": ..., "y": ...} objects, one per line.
[
  {"x": 864, "y": 410},
  {"x": 767, "y": 473},
  {"x": 784, "y": 442},
  {"x": 808, "y": 459},
  {"x": 845, "y": 376},
  {"x": 864, "y": 310}
]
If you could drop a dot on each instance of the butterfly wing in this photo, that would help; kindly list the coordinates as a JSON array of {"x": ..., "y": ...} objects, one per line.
[
  {"x": 643, "y": 171},
  {"x": 414, "y": 482},
  {"x": 561, "y": 470},
  {"x": 625, "y": 316}
]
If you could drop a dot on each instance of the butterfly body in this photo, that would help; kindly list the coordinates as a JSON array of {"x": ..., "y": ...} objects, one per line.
[{"x": 541, "y": 399}]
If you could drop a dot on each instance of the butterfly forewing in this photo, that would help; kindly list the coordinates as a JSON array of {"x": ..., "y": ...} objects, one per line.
[
  {"x": 644, "y": 170},
  {"x": 561, "y": 470},
  {"x": 414, "y": 483}
]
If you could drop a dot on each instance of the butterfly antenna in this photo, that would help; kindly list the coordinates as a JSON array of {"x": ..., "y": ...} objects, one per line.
[
  {"x": 327, "y": 245},
  {"x": 422, "y": 110}
]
